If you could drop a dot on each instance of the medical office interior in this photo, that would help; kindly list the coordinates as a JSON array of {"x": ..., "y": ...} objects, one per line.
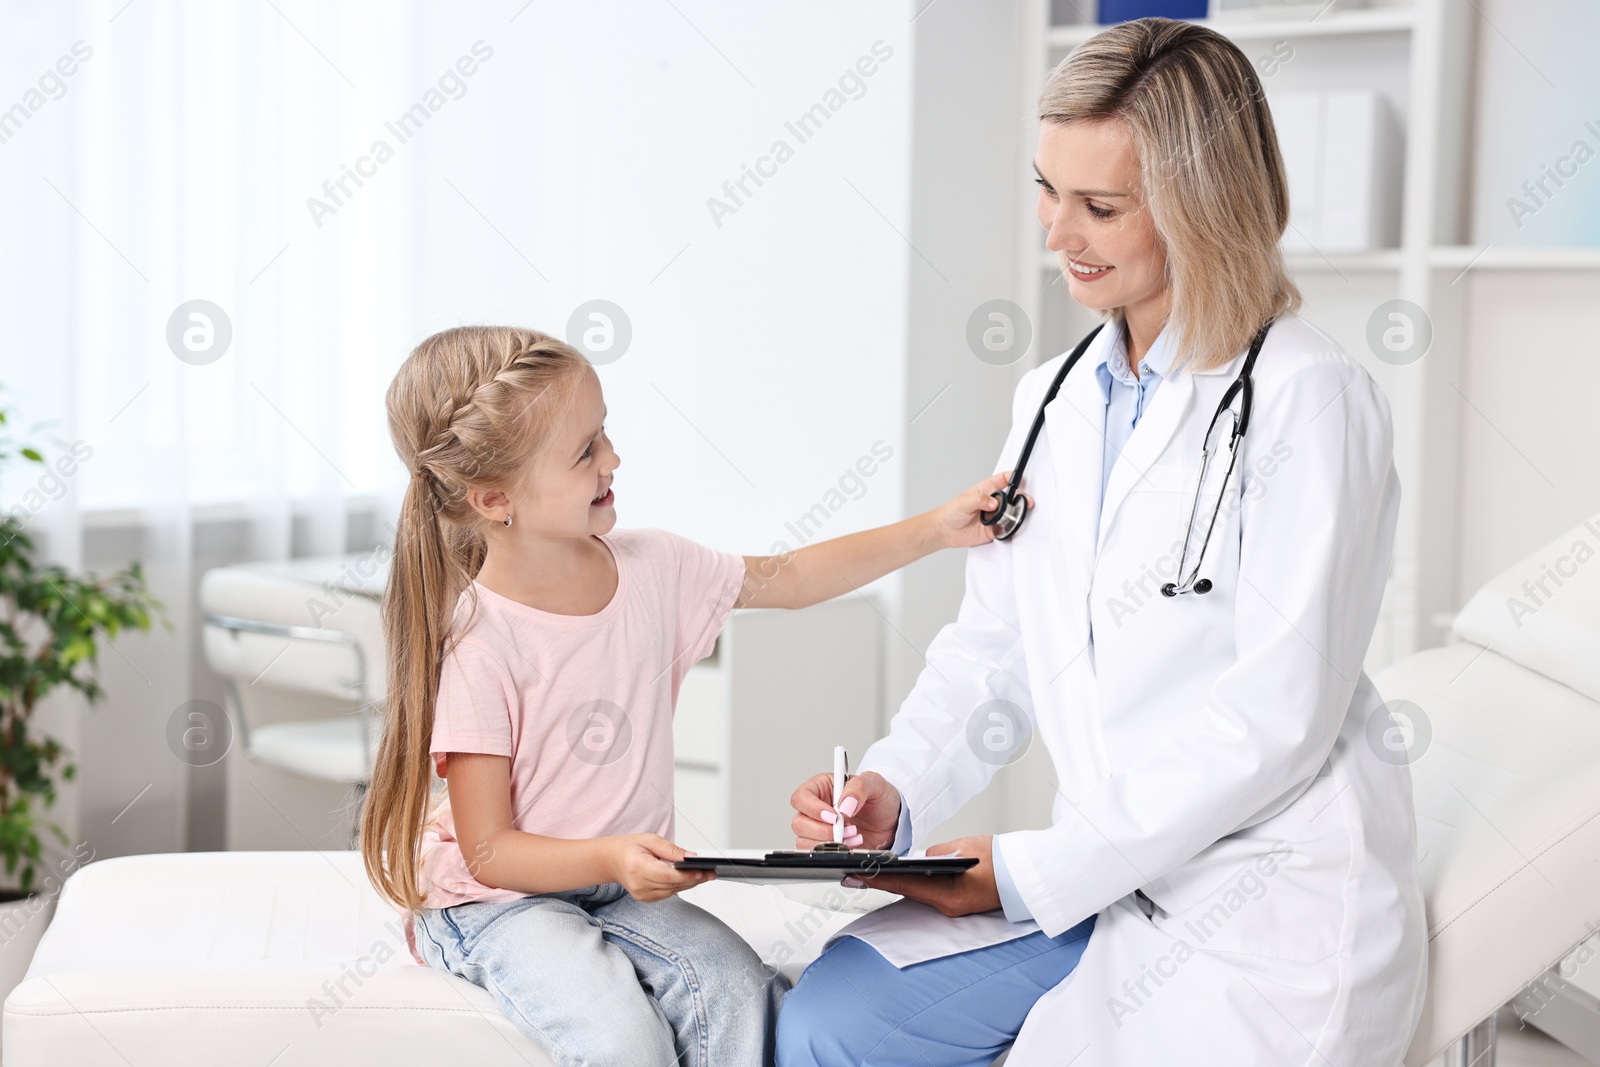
[{"x": 799, "y": 243}]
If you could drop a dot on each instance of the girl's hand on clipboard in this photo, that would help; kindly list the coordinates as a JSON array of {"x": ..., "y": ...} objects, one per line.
[
  {"x": 966, "y": 893},
  {"x": 636, "y": 862}
]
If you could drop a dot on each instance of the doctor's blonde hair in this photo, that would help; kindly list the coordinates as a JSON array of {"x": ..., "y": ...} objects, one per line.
[
  {"x": 1212, "y": 177},
  {"x": 467, "y": 409}
]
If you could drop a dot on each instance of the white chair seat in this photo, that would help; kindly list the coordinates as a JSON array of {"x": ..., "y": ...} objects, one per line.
[
  {"x": 232, "y": 957},
  {"x": 330, "y": 749}
]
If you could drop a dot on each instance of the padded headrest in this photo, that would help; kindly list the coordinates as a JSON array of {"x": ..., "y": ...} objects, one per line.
[
  {"x": 1544, "y": 613},
  {"x": 300, "y": 592},
  {"x": 332, "y": 592}
]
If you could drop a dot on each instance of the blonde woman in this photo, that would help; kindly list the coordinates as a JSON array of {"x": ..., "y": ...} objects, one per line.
[
  {"x": 1229, "y": 872},
  {"x": 535, "y": 653}
]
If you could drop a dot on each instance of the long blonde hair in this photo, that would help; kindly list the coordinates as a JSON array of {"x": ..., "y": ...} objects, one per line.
[
  {"x": 1209, "y": 164},
  {"x": 467, "y": 409}
]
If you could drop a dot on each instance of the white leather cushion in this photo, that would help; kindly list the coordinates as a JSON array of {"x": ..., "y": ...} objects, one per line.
[
  {"x": 336, "y": 593},
  {"x": 232, "y": 957},
  {"x": 1508, "y": 827},
  {"x": 1545, "y": 612}
]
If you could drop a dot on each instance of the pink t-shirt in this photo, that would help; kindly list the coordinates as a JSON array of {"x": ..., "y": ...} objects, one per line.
[{"x": 581, "y": 703}]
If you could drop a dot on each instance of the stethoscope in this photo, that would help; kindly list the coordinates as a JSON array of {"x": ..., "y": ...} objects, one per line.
[{"x": 1014, "y": 506}]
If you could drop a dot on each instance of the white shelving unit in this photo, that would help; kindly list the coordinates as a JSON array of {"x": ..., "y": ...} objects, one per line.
[
  {"x": 1246, "y": 28},
  {"x": 1416, "y": 54},
  {"x": 763, "y": 712}
]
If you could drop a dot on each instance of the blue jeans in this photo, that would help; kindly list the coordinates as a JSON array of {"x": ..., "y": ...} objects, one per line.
[
  {"x": 854, "y": 1007},
  {"x": 593, "y": 976}
]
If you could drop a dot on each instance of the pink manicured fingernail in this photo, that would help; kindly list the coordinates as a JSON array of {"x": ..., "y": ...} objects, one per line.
[
  {"x": 851, "y": 831},
  {"x": 849, "y": 806},
  {"x": 853, "y": 882},
  {"x": 829, "y": 817},
  {"x": 853, "y": 841}
]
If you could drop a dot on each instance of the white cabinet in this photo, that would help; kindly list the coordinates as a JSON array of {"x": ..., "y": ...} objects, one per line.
[{"x": 764, "y": 711}]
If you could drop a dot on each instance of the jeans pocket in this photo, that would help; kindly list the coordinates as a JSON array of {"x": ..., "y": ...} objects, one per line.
[{"x": 466, "y": 922}]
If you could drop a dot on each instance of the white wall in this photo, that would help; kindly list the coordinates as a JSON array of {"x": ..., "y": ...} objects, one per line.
[
  {"x": 1530, "y": 441},
  {"x": 768, "y": 351}
]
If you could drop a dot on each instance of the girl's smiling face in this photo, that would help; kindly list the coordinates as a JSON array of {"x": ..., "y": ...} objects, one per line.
[
  {"x": 564, "y": 490},
  {"x": 1095, "y": 217},
  {"x": 570, "y": 489}
]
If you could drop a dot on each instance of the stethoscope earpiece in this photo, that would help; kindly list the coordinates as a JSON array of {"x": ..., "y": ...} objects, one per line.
[{"x": 1202, "y": 586}]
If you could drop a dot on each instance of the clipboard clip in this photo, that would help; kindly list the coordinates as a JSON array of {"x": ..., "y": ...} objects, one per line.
[{"x": 882, "y": 854}]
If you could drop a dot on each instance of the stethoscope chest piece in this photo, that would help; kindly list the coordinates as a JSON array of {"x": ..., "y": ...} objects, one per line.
[{"x": 1007, "y": 518}]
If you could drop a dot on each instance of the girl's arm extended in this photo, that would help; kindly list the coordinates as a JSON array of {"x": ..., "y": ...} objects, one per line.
[
  {"x": 502, "y": 857},
  {"x": 831, "y": 568}
]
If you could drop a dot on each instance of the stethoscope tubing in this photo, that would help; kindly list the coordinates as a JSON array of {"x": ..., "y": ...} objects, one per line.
[{"x": 1013, "y": 505}]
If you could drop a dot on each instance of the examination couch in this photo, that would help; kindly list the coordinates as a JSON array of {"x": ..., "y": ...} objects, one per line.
[{"x": 1505, "y": 763}]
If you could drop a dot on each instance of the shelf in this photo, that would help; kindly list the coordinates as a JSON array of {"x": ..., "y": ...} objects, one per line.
[
  {"x": 1442, "y": 257},
  {"x": 1245, "y": 28},
  {"x": 1506, "y": 257},
  {"x": 1301, "y": 262}
]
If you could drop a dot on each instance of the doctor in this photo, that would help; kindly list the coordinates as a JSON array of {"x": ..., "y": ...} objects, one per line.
[{"x": 1229, "y": 872}]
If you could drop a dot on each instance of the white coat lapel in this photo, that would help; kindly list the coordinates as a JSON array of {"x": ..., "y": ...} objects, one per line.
[
  {"x": 1145, "y": 445},
  {"x": 1075, "y": 433}
]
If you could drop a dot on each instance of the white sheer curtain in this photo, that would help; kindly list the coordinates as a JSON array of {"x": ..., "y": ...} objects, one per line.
[{"x": 172, "y": 165}]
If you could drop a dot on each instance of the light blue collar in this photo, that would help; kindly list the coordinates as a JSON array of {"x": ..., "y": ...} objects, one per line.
[{"x": 1113, "y": 362}]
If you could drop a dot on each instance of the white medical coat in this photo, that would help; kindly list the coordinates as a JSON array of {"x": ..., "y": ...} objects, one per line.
[{"x": 1218, "y": 752}]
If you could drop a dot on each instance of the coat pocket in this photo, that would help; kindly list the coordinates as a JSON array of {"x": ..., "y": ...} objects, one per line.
[{"x": 1274, "y": 898}]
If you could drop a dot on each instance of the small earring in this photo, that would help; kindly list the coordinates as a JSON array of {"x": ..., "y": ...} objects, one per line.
[{"x": 508, "y": 521}]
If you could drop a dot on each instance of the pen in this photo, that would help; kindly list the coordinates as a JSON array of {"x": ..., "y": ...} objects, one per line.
[{"x": 838, "y": 793}]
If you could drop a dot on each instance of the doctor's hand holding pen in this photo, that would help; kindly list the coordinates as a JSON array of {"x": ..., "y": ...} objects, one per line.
[{"x": 870, "y": 807}]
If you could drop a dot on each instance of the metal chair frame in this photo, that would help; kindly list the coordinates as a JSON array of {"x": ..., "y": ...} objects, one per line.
[{"x": 236, "y": 625}]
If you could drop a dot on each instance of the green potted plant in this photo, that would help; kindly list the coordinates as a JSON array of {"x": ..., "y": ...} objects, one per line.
[{"x": 51, "y": 625}]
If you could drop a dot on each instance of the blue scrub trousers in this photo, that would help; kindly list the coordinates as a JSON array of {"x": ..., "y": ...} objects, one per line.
[{"x": 852, "y": 1006}]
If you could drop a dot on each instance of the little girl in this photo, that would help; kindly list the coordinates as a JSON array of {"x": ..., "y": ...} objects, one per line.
[{"x": 535, "y": 654}]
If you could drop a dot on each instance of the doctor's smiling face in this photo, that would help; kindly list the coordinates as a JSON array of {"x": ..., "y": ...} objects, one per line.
[{"x": 1097, "y": 222}]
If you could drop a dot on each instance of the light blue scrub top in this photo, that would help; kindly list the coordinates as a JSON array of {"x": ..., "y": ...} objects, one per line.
[{"x": 1127, "y": 399}]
